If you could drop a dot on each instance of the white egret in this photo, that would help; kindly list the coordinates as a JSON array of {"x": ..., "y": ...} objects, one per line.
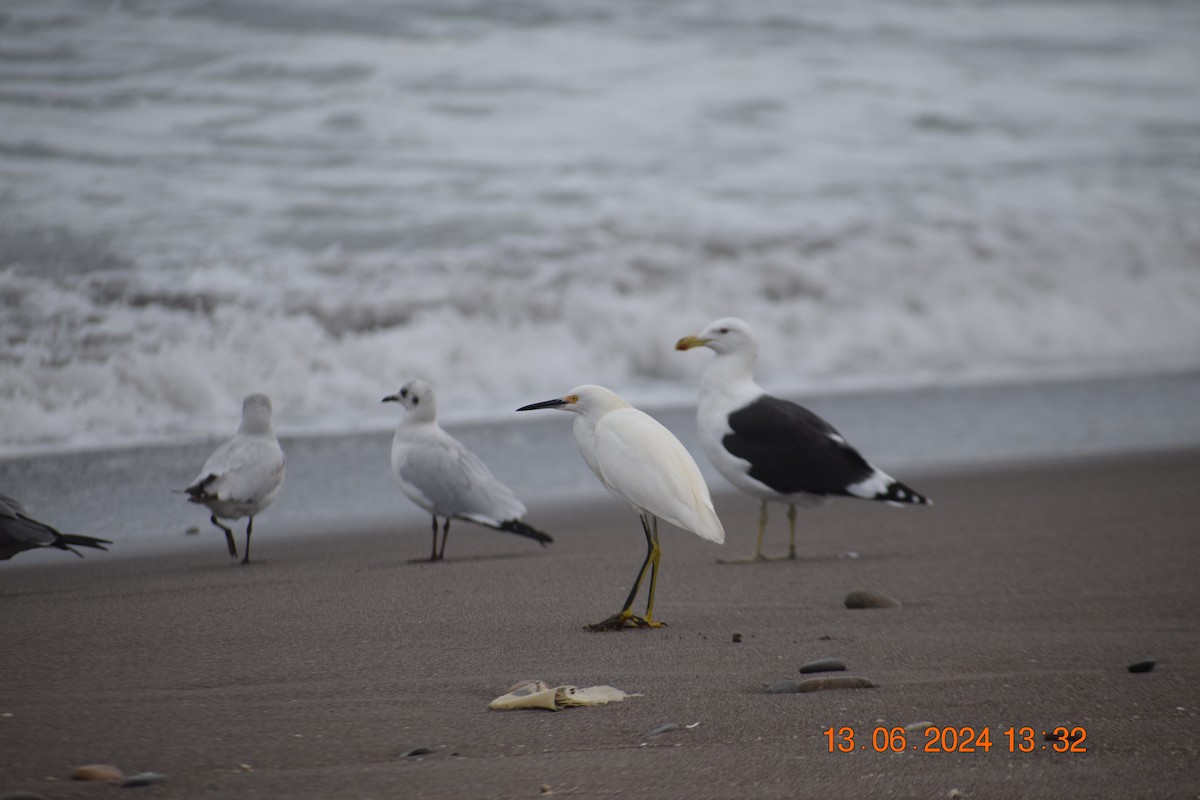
[
  {"x": 19, "y": 531},
  {"x": 774, "y": 449},
  {"x": 243, "y": 475},
  {"x": 645, "y": 467},
  {"x": 446, "y": 479}
]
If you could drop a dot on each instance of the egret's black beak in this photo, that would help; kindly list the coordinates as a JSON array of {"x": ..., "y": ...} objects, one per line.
[
  {"x": 557, "y": 402},
  {"x": 391, "y": 398}
]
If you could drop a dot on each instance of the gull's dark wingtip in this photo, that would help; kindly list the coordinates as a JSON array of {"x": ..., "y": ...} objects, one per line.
[{"x": 522, "y": 529}]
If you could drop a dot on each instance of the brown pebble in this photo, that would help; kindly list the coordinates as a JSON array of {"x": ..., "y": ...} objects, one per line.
[
  {"x": 737, "y": 638},
  {"x": 837, "y": 682},
  {"x": 98, "y": 772},
  {"x": 1142, "y": 666},
  {"x": 861, "y": 598}
]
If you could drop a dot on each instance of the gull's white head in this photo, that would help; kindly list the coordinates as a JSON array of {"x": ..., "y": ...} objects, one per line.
[
  {"x": 256, "y": 414},
  {"x": 587, "y": 400},
  {"x": 418, "y": 398},
  {"x": 726, "y": 335}
]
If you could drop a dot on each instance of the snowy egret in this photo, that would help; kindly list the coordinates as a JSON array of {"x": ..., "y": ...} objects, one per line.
[
  {"x": 773, "y": 449},
  {"x": 445, "y": 478},
  {"x": 243, "y": 475},
  {"x": 645, "y": 467},
  {"x": 19, "y": 531}
]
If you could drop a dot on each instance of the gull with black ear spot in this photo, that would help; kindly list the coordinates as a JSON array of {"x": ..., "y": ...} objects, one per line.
[
  {"x": 446, "y": 479},
  {"x": 774, "y": 449},
  {"x": 242, "y": 476},
  {"x": 645, "y": 467}
]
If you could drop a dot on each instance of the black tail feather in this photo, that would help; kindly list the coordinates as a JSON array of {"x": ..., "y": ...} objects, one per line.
[
  {"x": 897, "y": 492},
  {"x": 520, "y": 528},
  {"x": 198, "y": 491},
  {"x": 66, "y": 540}
]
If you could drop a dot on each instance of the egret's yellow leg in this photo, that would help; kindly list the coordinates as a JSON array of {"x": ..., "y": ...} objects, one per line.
[
  {"x": 654, "y": 556},
  {"x": 626, "y": 618}
]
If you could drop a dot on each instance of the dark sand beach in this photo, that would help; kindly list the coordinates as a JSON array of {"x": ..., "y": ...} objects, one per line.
[{"x": 1026, "y": 591}]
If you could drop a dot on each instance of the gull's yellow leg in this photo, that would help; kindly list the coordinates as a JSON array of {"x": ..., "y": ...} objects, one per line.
[
  {"x": 791, "y": 532},
  {"x": 758, "y": 556},
  {"x": 791, "y": 553}
]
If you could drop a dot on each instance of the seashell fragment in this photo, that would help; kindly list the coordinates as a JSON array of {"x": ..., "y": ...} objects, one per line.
[
  {"x": 589, "y": 696},
  {"x": 530, "y": 694},
  {"x": 539, "y": 694}
]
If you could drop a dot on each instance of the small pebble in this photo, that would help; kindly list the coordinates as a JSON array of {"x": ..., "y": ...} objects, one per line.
[
  {"x": 245, "y": 768},
  {"x": 416, "y": 751},
  {"x": 860, "y": 598},
  {"x": 1142, "y": 666},
  {"x": 737, "y": 638},
  {"x": 823, "y": 665},
  {"x": 665, "y": 728},
  {"x": 546, "y": 789},
  {"x": 917, "y": 727},
  {"x": 98, "y": 772},
  {"x": 848, "y": 554},
  {"x": 955, "y": 793},
  {"x": 143, "y": 779},
  {"x": 786, "y": 686},
  {"x": 838, "y": 682},
  {"x": 192, "y": 531}
]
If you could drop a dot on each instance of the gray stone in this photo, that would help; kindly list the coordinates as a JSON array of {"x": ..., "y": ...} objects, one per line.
[
  {"x": 861, "y": 598},
  {"x": 416, "y": 751},
  {"x": 143, "y": 779},
  {"x": 823, "y": 665},
  {"x": 837, "y": 682},
  {"x": 785, "y": 686}
]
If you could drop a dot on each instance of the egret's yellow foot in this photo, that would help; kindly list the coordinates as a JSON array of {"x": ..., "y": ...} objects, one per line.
[{"x": 624, "y": 619}]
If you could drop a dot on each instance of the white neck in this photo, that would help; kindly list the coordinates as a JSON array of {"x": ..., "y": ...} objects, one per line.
[{"x": 729, "y": 379}]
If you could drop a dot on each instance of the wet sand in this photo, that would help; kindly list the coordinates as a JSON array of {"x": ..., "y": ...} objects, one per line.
[{"x": 1026, "y": 592}]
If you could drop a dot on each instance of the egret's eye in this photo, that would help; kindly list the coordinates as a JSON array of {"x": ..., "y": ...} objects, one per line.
[
  {"x": 723, "y": 330},
  {"x": 404, "y": 392},
  {"x": 573, "y": 398}
]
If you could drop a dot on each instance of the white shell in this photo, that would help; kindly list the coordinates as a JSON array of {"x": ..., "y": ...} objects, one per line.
[{"x": 539, "y": 694}]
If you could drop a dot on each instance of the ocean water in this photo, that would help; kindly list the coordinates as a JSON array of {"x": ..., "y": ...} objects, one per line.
[{"x": 318, "y": 199}]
